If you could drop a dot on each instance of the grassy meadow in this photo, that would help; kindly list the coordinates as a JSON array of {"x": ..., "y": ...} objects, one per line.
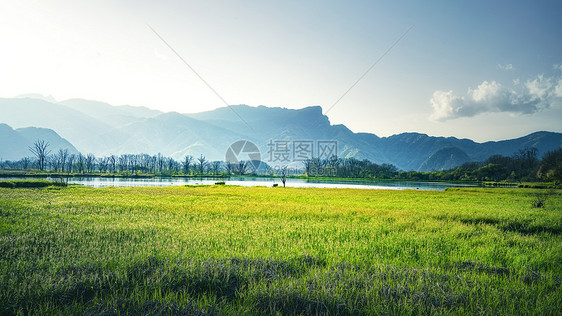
[{"x": 235, "y": 250}]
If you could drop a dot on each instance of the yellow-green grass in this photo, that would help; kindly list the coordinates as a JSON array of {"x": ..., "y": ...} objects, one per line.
[{"x": 233, "y": 250}]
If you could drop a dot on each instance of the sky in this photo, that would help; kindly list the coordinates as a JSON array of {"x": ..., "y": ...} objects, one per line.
[{"x": 484, "y": 70}]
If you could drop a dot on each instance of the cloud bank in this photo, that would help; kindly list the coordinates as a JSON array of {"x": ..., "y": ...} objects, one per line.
[{"x": 490, "y": 96}]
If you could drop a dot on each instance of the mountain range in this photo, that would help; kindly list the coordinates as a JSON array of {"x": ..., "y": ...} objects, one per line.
[
  {"x": 14, "y": 144},
  {"x": 103, "y": 129}
]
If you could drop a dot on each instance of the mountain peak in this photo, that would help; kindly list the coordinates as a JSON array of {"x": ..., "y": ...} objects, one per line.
[
  {"x": 37, "y": 96},
  {"x": 234, "y": 113}
]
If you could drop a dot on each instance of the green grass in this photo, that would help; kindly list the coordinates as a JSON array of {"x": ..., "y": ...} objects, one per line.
[{"x": 236, "y": 250}]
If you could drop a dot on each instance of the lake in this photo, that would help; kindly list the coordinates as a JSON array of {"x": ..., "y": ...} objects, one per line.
[{"x": 99, "y": 182}]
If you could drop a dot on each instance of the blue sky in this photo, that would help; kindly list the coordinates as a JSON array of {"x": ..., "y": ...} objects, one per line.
[{"x": 485, "y": 70}]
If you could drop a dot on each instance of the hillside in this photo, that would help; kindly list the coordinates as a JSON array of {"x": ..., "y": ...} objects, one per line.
[
  {"x": 14, "y": 144},
  {"x": 444, "y": 159}
]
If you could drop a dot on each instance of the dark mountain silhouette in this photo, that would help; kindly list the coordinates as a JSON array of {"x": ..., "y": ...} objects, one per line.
[{"x": 444, "y": 159}]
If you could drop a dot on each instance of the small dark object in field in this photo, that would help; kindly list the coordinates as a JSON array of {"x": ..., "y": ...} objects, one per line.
[
  {"x": 540, "y": 199},
  {"x": 538, "y": 203},
  {"x": 275, "y": 184}
]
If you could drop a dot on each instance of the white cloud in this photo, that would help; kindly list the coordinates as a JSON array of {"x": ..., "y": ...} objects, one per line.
[
  {"x": 443, "y": 104},
  {"x": 558, "y": 89},
  {"x": 490, "y": 96},
  {"x": 541, "y": 86},
  {"x": 506, "y": 67}
]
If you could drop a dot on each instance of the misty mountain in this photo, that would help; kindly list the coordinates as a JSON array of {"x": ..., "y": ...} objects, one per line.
[
  {"x": 91, "y": 126},
  {"x": 48, "y": 98},
  {"x": 109, "y": 114},
  {"x": 103, "y": 129},
  {"x": 176, "y": 135},
  {"x": 307, "y": 124},
  {"x": 14, "y": 144},
  {"x": 77, "y": 127}
]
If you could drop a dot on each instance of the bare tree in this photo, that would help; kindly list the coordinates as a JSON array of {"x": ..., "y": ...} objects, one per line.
[
  {"x": 70, "y": 162},
  {"x": 308, "y": 165},
  {"x": 231, "y": 167},
  {"x": 62, "y": 156},
  {"x": 171, "y": 164},
  {"x": 25, "y": 162},
  {"x": 144, "y": 161},
  {"x": 160, "y": 162},
  {"x": 90, "y": 162},
  {"x": 216, "y": 165},
  {"x": 202, "y": 163},
  {"x": 132, "y": 160},
  {"x": 103, "y": 164},
  {"x": 187, "y": 164},
  {"x": 41, "y": 151},
  {"x": 242, "y": 167},
  {"x": 123, "y": 162},
  {"x": 112, "y": 162},
  {"x": 53, "y": 160},
  {"x": 80, "y": 163}
]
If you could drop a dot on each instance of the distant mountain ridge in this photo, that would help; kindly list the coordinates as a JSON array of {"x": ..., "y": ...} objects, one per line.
[
  {"x": 112, "y": 115},
  {"x": 103, "y": 129},
  {"x": 14, "y": 144},
  {"x": 409, "y": 149}
]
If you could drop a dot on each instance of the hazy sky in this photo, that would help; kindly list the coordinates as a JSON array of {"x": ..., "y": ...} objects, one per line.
[{"x": 485, "y": 70}]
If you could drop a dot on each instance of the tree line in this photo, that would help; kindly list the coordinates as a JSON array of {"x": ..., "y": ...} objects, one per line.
[
  {"x": 348, "y": 168},
  {"x": 524, "y": 165},
  {"x": 63, "y": 161}
]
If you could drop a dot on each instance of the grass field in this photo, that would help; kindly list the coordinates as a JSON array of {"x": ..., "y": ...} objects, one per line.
[{"x": 238, "y": 250}]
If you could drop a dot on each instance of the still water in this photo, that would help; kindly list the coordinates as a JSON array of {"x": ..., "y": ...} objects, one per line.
[{"x": 97, "y": 182}]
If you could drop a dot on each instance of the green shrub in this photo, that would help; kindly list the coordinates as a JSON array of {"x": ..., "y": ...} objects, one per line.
[
  {"x": 13, "y": 184},
  {"x": 7, "y": 184}
]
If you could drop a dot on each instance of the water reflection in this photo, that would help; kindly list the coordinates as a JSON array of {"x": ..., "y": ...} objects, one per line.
[{"x": 99, "y": 182}]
